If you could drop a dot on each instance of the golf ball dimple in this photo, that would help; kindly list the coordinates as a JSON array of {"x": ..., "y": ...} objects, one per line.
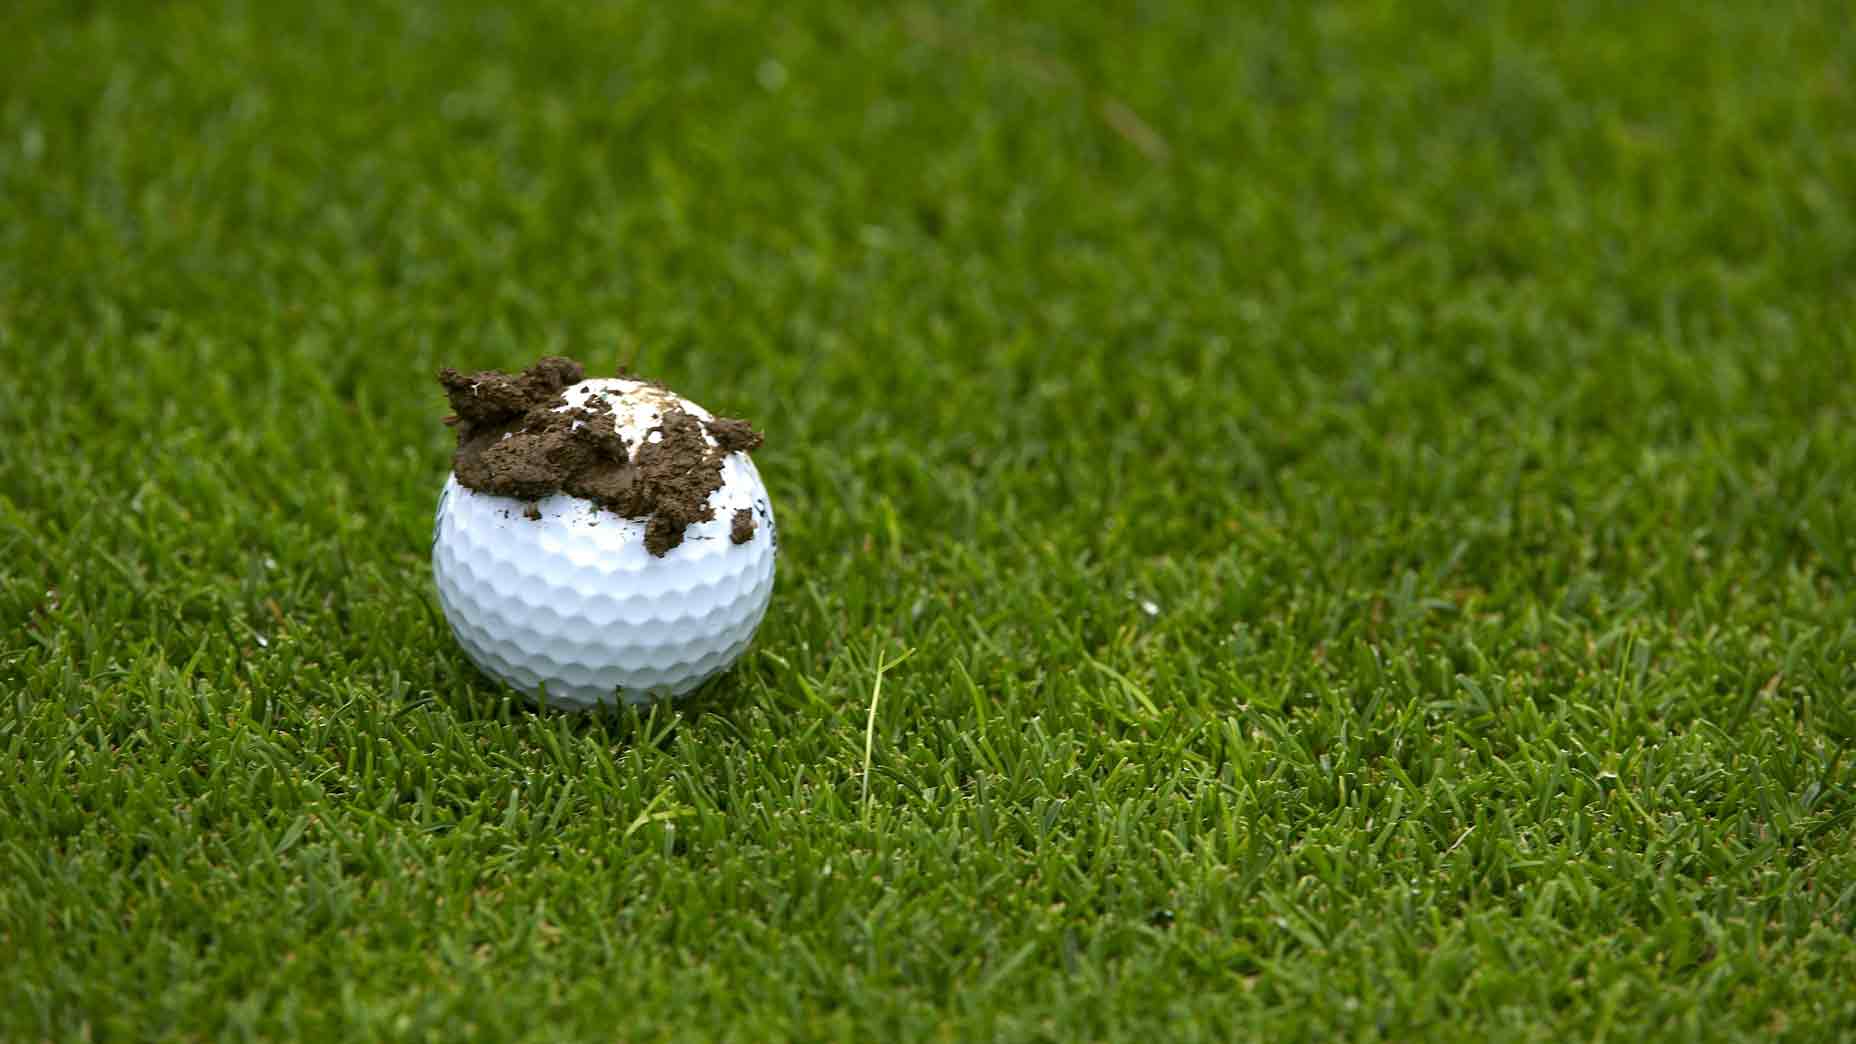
[{"x": 573, "y": 608}]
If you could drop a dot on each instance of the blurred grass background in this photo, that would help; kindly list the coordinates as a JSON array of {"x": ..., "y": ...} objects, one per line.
[{"x": 1365, "y": 489}]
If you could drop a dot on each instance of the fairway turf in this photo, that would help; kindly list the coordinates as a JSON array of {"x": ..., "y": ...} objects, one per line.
[{"x": 1351, "y": 508}]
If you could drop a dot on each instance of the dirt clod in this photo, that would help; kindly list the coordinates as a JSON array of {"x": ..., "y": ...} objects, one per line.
[
  {"x": 675, "y": 474},
  {"x": 516, "y": 438},
  {"x": 741, "y": 529},
  {"x": 734, "y": 435}
]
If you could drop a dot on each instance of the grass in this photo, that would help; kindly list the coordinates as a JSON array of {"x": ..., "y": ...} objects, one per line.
[{"x": 1351, "y": 509}]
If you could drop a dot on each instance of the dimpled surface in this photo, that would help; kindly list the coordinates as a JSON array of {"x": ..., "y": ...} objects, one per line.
[{"x": 573, "y": 603}]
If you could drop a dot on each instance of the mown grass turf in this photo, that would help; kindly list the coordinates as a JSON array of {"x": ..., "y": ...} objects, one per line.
[{"x": 1364, "y": 492}]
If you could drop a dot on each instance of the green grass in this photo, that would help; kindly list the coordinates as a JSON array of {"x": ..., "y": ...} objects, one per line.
[{"x": 1366, "y": 494}]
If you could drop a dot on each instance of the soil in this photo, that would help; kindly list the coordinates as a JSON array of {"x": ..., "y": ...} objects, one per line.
[
  {"x": 741, "y": 529},
  {"x": 516, "y": 440},
  {"x": 735, "y": 435}
]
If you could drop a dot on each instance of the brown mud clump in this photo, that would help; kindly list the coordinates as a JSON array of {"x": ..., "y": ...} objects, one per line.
[
  {"x": 517, "y": 438},
  {"x": 741, "y": 527},
  {"x": 735, "y": 435}
]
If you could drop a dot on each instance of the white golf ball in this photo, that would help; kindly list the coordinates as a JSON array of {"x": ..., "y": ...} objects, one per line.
[{"x": 572, "y": 607}]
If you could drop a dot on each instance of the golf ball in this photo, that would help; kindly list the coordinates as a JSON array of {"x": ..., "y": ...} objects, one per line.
[{"x": 561, "y": 599}]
